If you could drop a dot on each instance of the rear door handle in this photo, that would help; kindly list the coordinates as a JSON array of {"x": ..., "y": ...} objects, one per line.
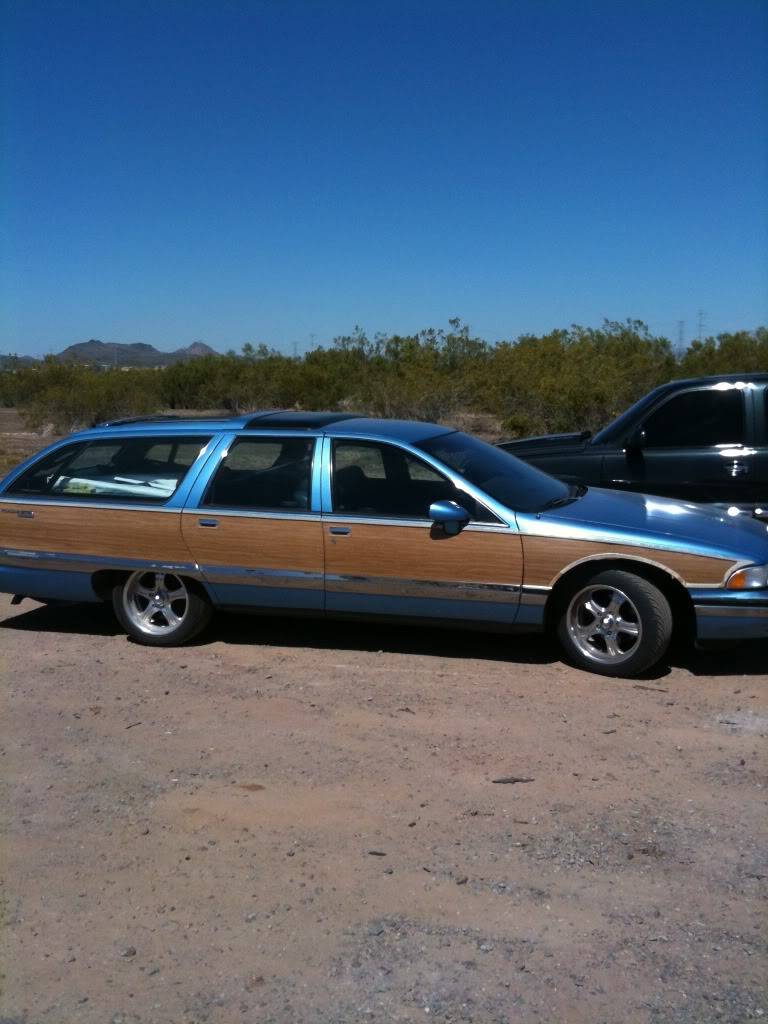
[
  {"x": 340, "y": 531},
  {"x": 208, "y": 522},
  {"x": 26, "y": 514},
  {"x": 737, "y": 468}
]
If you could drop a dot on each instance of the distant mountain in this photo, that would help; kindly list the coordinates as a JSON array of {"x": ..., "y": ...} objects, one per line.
[
  {"x": 116, "y": 353},
  {"x": 12, "y": 362}
]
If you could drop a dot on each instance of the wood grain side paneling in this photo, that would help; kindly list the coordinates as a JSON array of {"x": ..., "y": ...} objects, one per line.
[
  {"x": 123, "y": 533},
  {"x": 419, "y": 553},
  {"x": 546, "y": 558},
  {"x": 250, "y": 542}
]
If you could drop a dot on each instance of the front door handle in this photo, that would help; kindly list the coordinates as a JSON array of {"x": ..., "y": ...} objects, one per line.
[
  {"x": 737, "y": 468},
  {"x": 26, "y": 514},
  {"x": 339, "y": 531},
  {"x": 208, "y": 522}
]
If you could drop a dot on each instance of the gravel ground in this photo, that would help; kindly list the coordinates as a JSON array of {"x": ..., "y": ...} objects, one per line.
[{"x": 298, "y": 823}]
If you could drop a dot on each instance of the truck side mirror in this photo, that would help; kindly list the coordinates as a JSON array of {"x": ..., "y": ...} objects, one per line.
[{"x": 636, "y": 440}]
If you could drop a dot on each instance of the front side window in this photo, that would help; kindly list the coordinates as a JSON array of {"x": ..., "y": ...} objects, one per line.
[
  {"x": 135, "y": 469},
  {"x": 503, "y": 477},
  {"x": 371, "y": 479},
  {"x": 697, "y": 419},
  {"x": 264, "y": 473}
]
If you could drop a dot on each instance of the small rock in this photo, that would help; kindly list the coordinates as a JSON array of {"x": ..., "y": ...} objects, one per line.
[
  {"x": 129, "y": 951},
  {"x": 462, "y": 880}
]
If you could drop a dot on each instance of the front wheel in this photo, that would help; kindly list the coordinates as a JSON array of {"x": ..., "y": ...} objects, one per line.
[
  {"x": 160, "y": 609},
  {"x": 615, "y": 624}
]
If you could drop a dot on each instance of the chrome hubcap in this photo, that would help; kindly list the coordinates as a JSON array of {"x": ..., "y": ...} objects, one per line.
[
  {"x": 604, "y": 624},
  {"x": 155, "y": 602}
]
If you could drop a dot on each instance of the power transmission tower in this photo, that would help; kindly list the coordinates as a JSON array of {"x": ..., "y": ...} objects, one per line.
[
  {"x": 681, "y": 336},
  {"x": 701, "y": 324}
]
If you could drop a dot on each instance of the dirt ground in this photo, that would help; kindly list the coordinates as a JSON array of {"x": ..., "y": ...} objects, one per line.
[{"x": 298, "y": 823}]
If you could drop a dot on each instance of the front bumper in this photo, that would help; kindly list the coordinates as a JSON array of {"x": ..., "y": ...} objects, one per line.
[{"x": 730, "y": 614}]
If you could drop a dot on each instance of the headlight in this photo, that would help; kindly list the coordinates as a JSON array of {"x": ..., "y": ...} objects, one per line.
[{"x": 753, "y": 578}]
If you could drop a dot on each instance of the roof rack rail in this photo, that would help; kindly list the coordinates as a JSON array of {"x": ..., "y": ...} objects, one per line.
[{"x": 138, "y": 419}]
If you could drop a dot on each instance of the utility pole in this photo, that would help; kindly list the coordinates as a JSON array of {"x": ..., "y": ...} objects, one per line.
[{"x": 680, "y": 336}]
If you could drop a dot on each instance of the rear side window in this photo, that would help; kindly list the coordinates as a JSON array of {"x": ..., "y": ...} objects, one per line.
[
  {"x": 136, "y": 469},
  {"x": 697, "y": 419},
  {"x": 264, "y": 474}
]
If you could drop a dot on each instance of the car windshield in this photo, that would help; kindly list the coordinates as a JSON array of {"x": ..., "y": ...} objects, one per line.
[{"x": 500, "y": 475}]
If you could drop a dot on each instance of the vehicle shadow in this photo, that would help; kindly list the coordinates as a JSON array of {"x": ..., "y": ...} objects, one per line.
[
  {"x": 747, "y": 659},
  {"x": 84, "y": 619},
  {"x": 336, "y": 634},
  {"x": 284, "y": 631}
]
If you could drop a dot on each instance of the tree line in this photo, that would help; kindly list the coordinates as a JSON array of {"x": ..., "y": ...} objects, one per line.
[{"x": 577, "y": 378}]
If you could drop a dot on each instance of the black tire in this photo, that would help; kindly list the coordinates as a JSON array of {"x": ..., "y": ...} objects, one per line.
[
  {"x": 186, "y": 617},
  {"x": 639, "y": 630}
]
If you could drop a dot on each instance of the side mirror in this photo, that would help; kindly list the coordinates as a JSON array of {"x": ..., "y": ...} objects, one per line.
[
  {"x": 450, "y": 515},
  {"x": 636, "y": 440}
]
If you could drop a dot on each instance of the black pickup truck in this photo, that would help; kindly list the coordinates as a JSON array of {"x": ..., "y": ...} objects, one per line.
[{"x": 703, "y": 440}]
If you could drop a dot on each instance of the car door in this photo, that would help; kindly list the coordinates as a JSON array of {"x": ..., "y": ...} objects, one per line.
[
  {"x": 694, "y": 445},
  {"x": 383, "y": 555},
  {"x": 253, "y": 527}
]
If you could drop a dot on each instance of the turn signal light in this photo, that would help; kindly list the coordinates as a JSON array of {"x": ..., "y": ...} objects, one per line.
[{"x": 755, "y": 577}]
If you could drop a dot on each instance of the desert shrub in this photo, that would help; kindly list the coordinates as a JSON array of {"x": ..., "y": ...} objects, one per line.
[{"x": 573, "y": 379}]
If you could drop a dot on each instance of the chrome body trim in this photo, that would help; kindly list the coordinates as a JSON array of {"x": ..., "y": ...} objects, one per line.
[
  {"x": 241, "y": 575},
  {"x": 731, "y": 622},
  {"x": 12, "y": 499},
  {"x": 64, "y": 561},
  {"x": 608, "y": 554},
  {"x": 438, "y": 589},
  {"x": 719, "y": 611},
  {"x": 424, "y": 524},
  {"x": 246, "y": 513}
]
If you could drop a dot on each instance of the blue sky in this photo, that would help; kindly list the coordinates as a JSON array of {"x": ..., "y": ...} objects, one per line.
[{"x": 281, "y": 171}]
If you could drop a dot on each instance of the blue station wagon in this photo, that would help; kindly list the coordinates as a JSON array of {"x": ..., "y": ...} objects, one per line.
[{"x": 340, "y": 515}]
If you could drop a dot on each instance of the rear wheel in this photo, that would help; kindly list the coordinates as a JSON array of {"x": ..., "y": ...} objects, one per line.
[
  {"x": 160, "y": 609},
  {"x": 615, "y": 624}
]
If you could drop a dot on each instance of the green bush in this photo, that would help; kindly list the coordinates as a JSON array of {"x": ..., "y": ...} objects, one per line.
[{"x": 573, "y": 379}]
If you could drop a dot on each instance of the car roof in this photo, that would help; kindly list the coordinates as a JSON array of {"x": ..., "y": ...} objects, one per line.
[{"x": 290, "y": 421}]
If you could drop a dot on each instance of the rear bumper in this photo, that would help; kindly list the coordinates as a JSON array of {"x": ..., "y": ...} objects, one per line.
[
  {"x": 52, "y": 586},
  {"x": 730, "y": 614}
]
